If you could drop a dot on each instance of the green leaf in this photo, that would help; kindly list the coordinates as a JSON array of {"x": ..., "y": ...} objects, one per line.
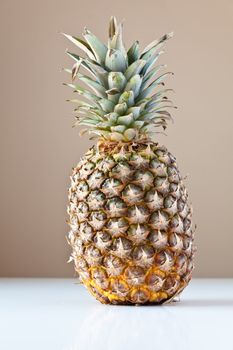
[
  {"x": 75, "y": 69},
  {"x": 87, "y": 121},
  {"x": 141, "y": 103},
  {"x": 151, "y": 74},
  {"x": 116, "y": 41},
  {"x": 114, "y": 98},
  {"x": 134, "y": 68},
  {"x": 130, "y": 134},
  {"x": 134, "y": 84},
  {"x": 112, "y": 117},
  {"x": 84, "y": 93},
  {"x": 118, "y": 128},
  {"x": 94, "y": 68},
  {"x": 144, "y": 93},
  {"x": 156, "y": 115},
  {"x": 138, "y": 124},
  {"x": 133, "y": 52},
  {"x": 162, "y": 77},
  {"x": 156, "y": 103},
  {"x": 116, "y": 136},
  {"x": 158, "y": 95},
  {"x": 80, "y": 103},
  {"x": 121, "y": 108},
  {"x": 135, "y": 110},
  {"x": 97, "y": 46},
  {"x": 150, "y": 62},
  {"x": 116, "y": 80},
  {"x": 99, "y": 72},
  {"x": 97, "y": 112},
  {"x": 125, "y": 119},
  {"x": 94, "y": 85},
  {"x": 112, "y": 27},
  {"x": 128, "y": 97},
  {"x": 115, "y": 61},
  {"x": 106, "y": 105},
  {"x": 75, "y": 57},
  {"x": 104, "y": 125},
  {"x": 81, "y": 44},
  {"x": 155, "y": 43}
]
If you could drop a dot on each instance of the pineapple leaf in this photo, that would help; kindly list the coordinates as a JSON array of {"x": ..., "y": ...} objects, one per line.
[
  {"x": 115, "y": 61},
  {"x": 138, "y": 124},
  {"x": 144, "y": 93},
  {"x": 151, "y": 61},
  {"x": 106, "y": 105},
  {"x": 151, "y": 74},
  {"x": 116, "y": 42},
  {"x": 83, "y": 92},
  {"x": 133, "y": 53},
  {"x": 118, "y": 128},
  {"x": 125, "y": 119},
  {"x": 134, "y": 84},
  {"x": 94, "y": 85},
  {"x": 75, "y": 69},
  {"x": 134, "y": 68},
  {"x": 91, "y": 66},
  {"x": 80, "y": 103},
  {"x": 96, "y": 45},
  {"x": 123, "y": 105},
  {"x": 81, "y": 44},
  {"x": 155, "y": 43},
  {"x": 135, "y": 110},
  {"x": 130, "y": 134},
  {"x": 116, "y": 80},
  {"x": 128, "y": 97},
  {"x": 121, "y": 108},
  {"x": 112, "y": 27}
]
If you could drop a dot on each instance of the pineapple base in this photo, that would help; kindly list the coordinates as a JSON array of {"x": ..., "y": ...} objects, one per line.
[
  {"x": 139, "y": 295},
  {"x": 131, "y": 224}
]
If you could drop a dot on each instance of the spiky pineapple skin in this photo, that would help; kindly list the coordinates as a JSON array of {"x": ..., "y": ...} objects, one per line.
[{"x": 130, "y": 224}]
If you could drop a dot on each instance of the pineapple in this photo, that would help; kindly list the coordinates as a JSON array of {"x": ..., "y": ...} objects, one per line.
[{"x": 130, "y": 221}]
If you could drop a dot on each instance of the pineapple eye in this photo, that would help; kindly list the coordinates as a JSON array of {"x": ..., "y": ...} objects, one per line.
[
  {"x": 122, "y": 171},
  {"x": 158, "y": 238},
  {"x": 111, "y": 183},
  {"x": 95, "y": 179},
  {"x": 144, "y": 177},
  {"x": 96, "y": 195},
  {"x": 121, "y": 246},
  {"x": 162, "y": 184},
  {"x": 89, "y": 166},
  {"x": 135, "y": 274},
  {"x": 158, "y": 168},
  {"x": 173, "y": 174},
  {"x": 159, "y": 220},
  {"x": 169, "y": 202},
  {"x": 132, "y": 193},
  {"x": 103, "y": 240},
  {"x": 143, "y": 253},
  {"x": 114, "y": 204},
  {"x": 138, "y": 214},
  {"x": 82, "y": 190},
  {"x": 119, "y": 286}
]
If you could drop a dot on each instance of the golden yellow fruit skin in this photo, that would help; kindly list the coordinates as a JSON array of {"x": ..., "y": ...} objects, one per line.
[{"x": 131, "y": 234}]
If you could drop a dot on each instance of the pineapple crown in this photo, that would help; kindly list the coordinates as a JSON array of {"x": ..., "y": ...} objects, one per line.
[{"x": 125, "y": 102}]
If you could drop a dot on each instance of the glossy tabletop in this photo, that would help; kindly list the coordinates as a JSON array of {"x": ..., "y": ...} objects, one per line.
[{"x": 58, "y": 314}]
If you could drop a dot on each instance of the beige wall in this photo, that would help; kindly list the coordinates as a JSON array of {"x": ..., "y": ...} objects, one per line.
[{"x": 39, "y": 147}]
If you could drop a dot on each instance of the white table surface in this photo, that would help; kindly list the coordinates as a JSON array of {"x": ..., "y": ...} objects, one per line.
[{"x": 57, "y": 314}]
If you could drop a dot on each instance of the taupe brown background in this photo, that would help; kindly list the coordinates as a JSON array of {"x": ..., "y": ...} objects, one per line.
[{"x": 39, "y": 147}]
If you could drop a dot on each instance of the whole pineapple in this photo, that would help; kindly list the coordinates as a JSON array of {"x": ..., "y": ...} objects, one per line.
[{"x": 131, "y": 232}]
